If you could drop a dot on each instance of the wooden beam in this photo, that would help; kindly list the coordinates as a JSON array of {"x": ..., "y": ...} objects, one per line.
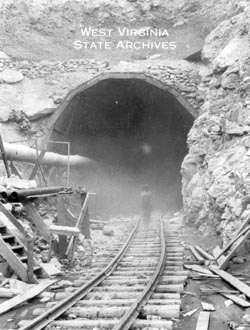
[
  {"x": 30, "y": 261},
  {"x": 234, "y": 239},
  {"x": 61, "y": 219},
  {"x": 83, "y": 211},
  {"x": 203, "y": 321},
  {"x": 78, "y": 223},
  {"x": 241, "y": 240},
  {"x": 204, "y": 253},
  {"x": 20, "y": 299},
  {"x": 199, "y": 269},
  {"x": 37, "y": 165},
  {"x": 70, "y": 216},
  {"x": 215, "y": 290},
  {"x": 101, "y": 222},
  {"x": 216, "y": 252},
  {"x": 4, "y": 158},
  {"x": 242, "y": 287},
  {"x": 196, "y": 254},
  {"x": 64, "y": 230},
  {"x": 14, "y": 170},
  {"x": 244, "y": 224},
  {"x": 13, "y": 220},
  {"x": 38, "y": 221}
]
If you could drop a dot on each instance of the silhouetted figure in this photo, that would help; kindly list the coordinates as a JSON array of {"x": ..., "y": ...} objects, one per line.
[{"x": 146, "y": 203}]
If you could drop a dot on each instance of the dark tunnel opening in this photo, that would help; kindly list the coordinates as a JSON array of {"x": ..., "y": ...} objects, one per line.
[{"x": 136, "y": 129}]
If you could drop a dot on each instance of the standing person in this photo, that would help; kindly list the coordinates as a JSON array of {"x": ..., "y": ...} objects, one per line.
[{"x": 146, "y": 203}]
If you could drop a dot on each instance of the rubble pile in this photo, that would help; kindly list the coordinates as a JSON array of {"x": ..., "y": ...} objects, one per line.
[
  {"x": 12, "y": 71},
  {"x": 184, "y": 78},
  {"x": 216, "y": 172}
]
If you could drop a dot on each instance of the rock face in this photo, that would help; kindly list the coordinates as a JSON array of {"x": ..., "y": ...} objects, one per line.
[
  {"x": 101, "y": 10},
  {"x": 216, "y": 172}
]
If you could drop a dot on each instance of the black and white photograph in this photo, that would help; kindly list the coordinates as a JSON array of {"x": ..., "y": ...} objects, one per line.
[{"x": 124, "y": 165}]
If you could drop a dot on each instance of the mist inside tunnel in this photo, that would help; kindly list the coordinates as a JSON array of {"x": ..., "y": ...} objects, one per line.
[{"x": 136, "y": 132}]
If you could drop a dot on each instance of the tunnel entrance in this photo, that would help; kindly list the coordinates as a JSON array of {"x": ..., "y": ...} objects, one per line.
[{"x": 135, "y": 127}]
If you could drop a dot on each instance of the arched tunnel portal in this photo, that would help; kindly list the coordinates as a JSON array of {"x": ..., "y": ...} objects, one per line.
[{"x": 135, "y": 127}]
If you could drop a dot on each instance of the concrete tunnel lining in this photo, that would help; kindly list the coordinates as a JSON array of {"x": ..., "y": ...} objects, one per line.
[{"x": 135, "y": 127}]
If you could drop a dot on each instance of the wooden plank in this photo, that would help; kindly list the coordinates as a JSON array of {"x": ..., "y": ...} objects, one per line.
[
  {"x": 83, "y": 210},
  {"x": 242, "y": 287},
  {"x": 14, "y": 170},
  {"x": 101, "y": 222},
  {"x": 61, "y": 217},
  {"x": 78, "y": 223},
  {"x": 244, "y": 224},
  {"x": 70, "y": 216},
  {"x": 30, "y": 261},
  {"x": 38, "y": 221},
  {"x": 237, "y": 300},
  {"x": 203, "y": 321},
  {"x": 204, "y": 277},
  {"x": 216, "y": 251},
  {"x": 196, "y": 254},
  {"x": 235, "y": 238},
  {"x": 4, "y": 158},
  {"x": 241, "y": 240},
  {"x": 198, "y": 269},
  {"x": 64, "y": 230},
  {"x": 204, "y": 253},
  {"x": 35, "y": 168},
  {"x": 20, "y": 299},
  {"x": 215, "y": 290}
]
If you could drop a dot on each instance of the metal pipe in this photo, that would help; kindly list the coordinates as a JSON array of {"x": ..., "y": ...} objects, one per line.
[
  {"x": 5, "y": 193},
  {"x": 20, "y": 193},
  {"x": 29, "y": 155}
]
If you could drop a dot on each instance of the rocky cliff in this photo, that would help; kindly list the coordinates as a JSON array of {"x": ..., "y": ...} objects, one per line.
[{"x": 216, "y": 172}]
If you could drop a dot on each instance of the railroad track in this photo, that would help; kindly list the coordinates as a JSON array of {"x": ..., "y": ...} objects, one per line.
[{"x": 141, "y": 287}]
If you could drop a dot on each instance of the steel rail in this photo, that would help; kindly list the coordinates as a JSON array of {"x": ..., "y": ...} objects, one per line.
[
  {"x": 129, "y": 317},
  {"x": 47, "y": 317}
]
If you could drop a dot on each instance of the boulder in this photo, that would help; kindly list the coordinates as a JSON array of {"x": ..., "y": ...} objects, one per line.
[
  {"x": 205, "y": 71},
  {"x": 230, "y": 81},
  {"x": 238, "y": 260},
  {"x": 108, "y": 231},
  {"x": 11, "y": 76},
  {"x": 5, "y": 112},
  {"x": 41, "y": 114},
  {"x": 57, "y": 99},
  {"x": 188, "y": 168},
  {"x": 216, "y": 41},
  {"x": 236, "y": 49},
  {"x": 234, "y": 129},
  {"x": 3, "y": 56},
  {"x": 36, "y": 101}
]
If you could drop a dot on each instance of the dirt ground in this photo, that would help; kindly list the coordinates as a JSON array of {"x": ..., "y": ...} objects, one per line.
[{"x": 62, "y": 48}]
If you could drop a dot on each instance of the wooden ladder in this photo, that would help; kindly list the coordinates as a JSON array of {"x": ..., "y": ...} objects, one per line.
[{"x": 15, "y": 253}]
